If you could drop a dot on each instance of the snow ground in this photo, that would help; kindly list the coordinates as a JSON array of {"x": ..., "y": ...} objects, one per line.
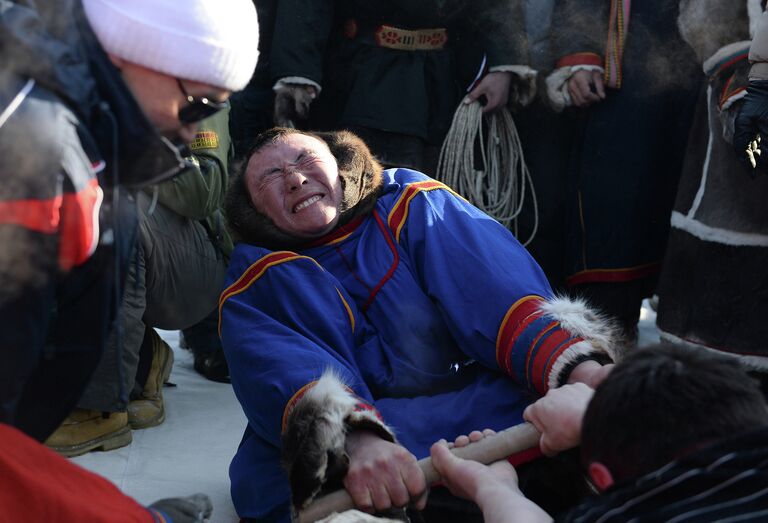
[{"x": 190, "y": 452}]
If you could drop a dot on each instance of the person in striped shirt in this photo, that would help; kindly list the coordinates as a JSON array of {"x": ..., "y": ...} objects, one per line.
[{"x": 670, "y": 435}]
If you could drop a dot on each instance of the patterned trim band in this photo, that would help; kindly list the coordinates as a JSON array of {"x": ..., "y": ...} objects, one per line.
[{"x": 411, "y": 39}]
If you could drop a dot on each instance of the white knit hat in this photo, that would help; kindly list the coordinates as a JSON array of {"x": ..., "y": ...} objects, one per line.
[{"x": 209, "y": 41}]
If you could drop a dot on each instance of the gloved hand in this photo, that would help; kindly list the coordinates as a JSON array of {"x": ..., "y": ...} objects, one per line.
[
  {"x": 292, "y": 103},
  {"x": 751, "y": 128},
  {"x": 196, "y": 508}
]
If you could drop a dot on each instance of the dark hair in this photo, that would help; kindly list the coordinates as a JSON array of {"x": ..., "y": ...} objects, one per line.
[
  {"x": 664, "y": 401},
  {"x": 361, "y": 182}
]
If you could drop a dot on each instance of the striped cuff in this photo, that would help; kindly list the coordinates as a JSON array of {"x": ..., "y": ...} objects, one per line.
[
  {"x": 540, "y": 341},
  {"x": 580, "y": 59},
  {"x": 159, "y": 516}
]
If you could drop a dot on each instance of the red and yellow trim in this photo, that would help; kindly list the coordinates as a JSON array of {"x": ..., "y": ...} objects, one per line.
[
  {"x": 521, "y": 314},
  {"x": 548, "y": 347},
  {"x": 256, "y": 271},
  {"x": 531, "y": 370},
  {"x": 399, "y": 213},
  {"x": 729, "y": 91},
  {"x": 728, "y": 62},
  {"x": 580, "y": 59},
  {"x": 339, "y": 235},
  {"x": 613, "y": 275},
  {"x": 614, "y": 49},
  {"x": 392, "y": 268},
  {"x": 349, "y": 310},
  {"x": 293, "y": 401}
]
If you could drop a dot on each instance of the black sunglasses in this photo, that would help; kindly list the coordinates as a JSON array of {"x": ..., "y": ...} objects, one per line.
[{"x": 197, "y": 108}]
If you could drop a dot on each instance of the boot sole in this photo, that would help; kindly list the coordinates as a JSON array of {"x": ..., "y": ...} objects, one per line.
[
  {"x": 114, "y": 440},
  {"x": 151, "y": 422}
]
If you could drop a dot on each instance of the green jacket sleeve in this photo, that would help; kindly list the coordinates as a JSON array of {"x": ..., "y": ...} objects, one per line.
[{"x": 198, "y": 192}]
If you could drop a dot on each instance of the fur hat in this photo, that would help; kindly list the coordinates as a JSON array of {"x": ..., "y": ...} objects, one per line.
[
  {"x": 361, "y": 182},
  {"x": 207, "y": 41}
]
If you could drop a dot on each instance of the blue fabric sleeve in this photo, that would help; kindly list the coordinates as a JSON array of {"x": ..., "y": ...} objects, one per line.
[
  {"x": 477, "y": 274},
  {"x": 281, "y": 329}
]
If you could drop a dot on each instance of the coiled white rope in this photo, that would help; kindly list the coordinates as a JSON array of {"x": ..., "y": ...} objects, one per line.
[{"x": 498, "y": 187}]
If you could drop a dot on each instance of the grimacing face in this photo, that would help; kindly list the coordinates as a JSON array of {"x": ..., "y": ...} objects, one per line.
[{"x": 295, "y": 182}]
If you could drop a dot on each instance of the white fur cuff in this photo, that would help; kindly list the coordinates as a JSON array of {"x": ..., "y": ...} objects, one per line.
[
  {"x": 557, "y": 84},
  {"x": 580, "y": 320},
  {"x": 712, "y": 63},
  {"x": 296, "y": 80}
]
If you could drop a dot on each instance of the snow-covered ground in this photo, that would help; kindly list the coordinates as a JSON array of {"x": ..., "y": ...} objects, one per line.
[{"x": 191, "y": 451}]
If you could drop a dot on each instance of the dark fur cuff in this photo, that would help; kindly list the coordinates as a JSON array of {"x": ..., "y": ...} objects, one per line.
[{"x": 315, "y": 432}]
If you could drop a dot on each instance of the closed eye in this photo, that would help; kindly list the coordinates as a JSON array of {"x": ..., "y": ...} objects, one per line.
[
  {"x": 272, "y": 171},
  {"x": 306, "y": 158}
]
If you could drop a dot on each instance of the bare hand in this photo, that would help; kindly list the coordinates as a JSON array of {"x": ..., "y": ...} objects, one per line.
[
  {"x": 475, "y": 435},
  {"x": 382, "y": 475},
  {"x": 292, "y": 103},
  {"x": 558, "y": 417},
  {"x": 586, "y": 88},
  {"x": 495, "y": 87},
  {"x": 590, "y": 373},
  {"x": 466, "y": 478}
]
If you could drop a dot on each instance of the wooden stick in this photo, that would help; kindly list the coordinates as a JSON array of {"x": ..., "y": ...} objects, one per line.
[{"x": 486, "y": 451}]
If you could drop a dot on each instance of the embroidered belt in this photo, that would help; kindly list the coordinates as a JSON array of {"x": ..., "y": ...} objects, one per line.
[{"x": 393, "y": 37}]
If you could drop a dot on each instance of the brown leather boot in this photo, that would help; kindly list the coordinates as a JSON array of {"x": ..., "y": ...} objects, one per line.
[
  {"x": 148, "y": 410},
  {"x": 85, "y": 430}
]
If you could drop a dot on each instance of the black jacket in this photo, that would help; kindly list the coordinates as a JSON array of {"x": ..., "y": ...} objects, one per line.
[{"x": 72, "y": 139}]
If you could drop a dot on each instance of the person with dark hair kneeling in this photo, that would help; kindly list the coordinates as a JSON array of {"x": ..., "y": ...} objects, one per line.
[
  {"x": 369, "y": 313},
  {"x": 669, "y": 435}
]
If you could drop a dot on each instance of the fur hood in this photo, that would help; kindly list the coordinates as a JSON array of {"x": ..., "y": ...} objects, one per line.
[{"x": 361, "y": 181}]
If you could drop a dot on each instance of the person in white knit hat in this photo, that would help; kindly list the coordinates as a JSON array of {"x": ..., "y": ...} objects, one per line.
[
  {"x": 168, "y": 51},
  {"x": 93, "y": 93},
  {"x": 180, "y": 61}
]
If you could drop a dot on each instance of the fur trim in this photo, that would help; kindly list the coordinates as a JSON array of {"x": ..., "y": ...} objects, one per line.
[
  {"x": 719, "y": 235},
  {"x": 755, "y": 11},
  {"x": 355, "y": 516},
  {"x": 296, "y": 80},
  {"x": 565, "y": 363},
  {"x": 558, "y": 97},
  {"x": 728, "y": 103},
  {"x": 522, "y": 89},
  {"x": 313, "y": 441},
  {"x": 712, "y": 64},
  {"x": 579, "y": 319},
  {"x": 557, "y": 84},
  {"x": 360, "y": 173},
  {"x": 361, "y": 180}
]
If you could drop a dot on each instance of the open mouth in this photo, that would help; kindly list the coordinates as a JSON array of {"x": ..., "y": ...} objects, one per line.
[{"x": 306, "y": 203}]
